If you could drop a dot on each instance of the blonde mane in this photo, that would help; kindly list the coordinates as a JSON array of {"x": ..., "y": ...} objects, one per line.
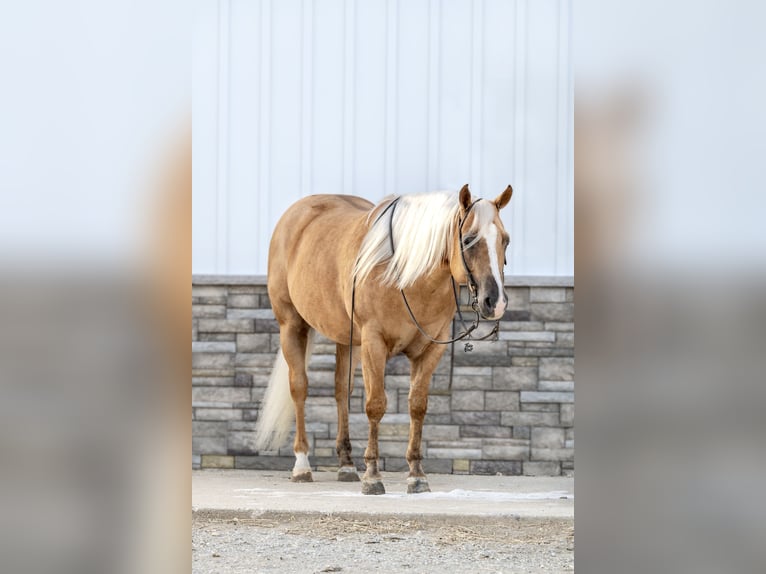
[{"x": 423, "y": 226}]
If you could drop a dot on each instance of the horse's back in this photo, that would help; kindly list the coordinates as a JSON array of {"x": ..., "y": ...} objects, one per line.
[{"x": 311, "y": 257}]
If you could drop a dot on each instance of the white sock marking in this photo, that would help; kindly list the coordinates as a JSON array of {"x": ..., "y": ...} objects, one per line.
[{"x": 301, "y": 463}]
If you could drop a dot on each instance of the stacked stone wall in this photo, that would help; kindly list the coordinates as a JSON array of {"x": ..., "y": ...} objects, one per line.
[{"x": 510, "y": 408}]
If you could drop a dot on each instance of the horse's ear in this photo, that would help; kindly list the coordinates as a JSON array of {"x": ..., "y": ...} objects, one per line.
[
  {"x": 502, "y": 200},
  {"x": 465, "y": 197}
]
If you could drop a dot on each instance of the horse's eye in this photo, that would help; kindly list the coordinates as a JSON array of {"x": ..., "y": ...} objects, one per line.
[{"x": 467, "y": 240}]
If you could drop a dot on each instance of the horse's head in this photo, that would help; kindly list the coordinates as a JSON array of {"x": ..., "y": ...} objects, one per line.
[{"x": 478, "y": 250}]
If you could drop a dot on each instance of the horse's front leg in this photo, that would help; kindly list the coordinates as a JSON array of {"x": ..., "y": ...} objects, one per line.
[
  {"x": 423, "y": 367},
  {"x": 374, "y": 354}
]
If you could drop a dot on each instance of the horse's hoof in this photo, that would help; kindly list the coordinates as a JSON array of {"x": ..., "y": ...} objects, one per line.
[
  {"x": 417, "y": 485},
  {"x": 348, "y": 474},
  {"x": 370, "y": 487},
  {"x": 303, "y": 477}
]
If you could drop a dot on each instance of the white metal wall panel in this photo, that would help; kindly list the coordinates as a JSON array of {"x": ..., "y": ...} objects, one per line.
[{"x": 294, "y": 97}]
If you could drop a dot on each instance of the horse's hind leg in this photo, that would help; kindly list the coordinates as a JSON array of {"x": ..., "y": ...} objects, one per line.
[
  {"x": 347, "y": 471},
  {"x": 293, "y": 335}
]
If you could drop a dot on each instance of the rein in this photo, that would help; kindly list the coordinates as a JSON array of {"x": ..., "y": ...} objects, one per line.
[{"x": 472, "y": 288}]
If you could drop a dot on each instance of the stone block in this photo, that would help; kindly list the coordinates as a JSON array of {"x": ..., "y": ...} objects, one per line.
[
  {"x": 560, "y": 312},
  {"x": 472, "y": 382},
  {"x": 243, "y": 300},
  {"x": 461, "y": 465},
  {"x": 196, "y": 462},
  {"x": 209, "y": 428},
  {"x": 558, "y": 326},
  {"x": 476, "y": 418},
  {"x": 514, "y": 378},
  {"x": 548, "y": 437},
  {"x": 552, "y": 454},
  {"x": 567, "y": 386},
  {"x": 213, "y": 381},
  {"x": 513, "y": 315},
  {"x": 217, "y": 337},
  {"x": 254, "y": 360},
  {"x": 525, "y": 361},
  {"x": 467, "y": 400},
  {"x": 543, "y": 336},
  {"x": 518, "y": 297},
  {"x": 216, "y": 461},
  {"x": 396, "y": 448},
  {"x": 451, "y": 453},
  {"x": 220, "y": 394},
  {"x": 208, "y": 311},
  {"x": 547, "y": 295},
  {"x": 490, "y": 431},
  {"x": 567, "y": 415},
  {"x": 438, "y": 404},
  {"x": 225, "y": 325},
  {"x": 243, "y": 380},
  {"x": 208, "y": 361},
  {"x": 565, "y": 339},
  {"x": 546, "y": 397},
  {"x": 391, "y": 464},
  {"x": 210, "y": 293},
  {"x": 241, "y": 442},
  {"x": 213, "y": 347},
  {"x": 433, "y": 466},
  {"x": 264, "y": 325},
  {"x": 521, "y": 431},
  {"x": 541, "y": 407},
  {"x": 263, "y": 301},
  {"x": 254, "y": 343},
  {"x": 249, "y": 314},
  {"x": 511, "y": 449},
  {"x": 521, "y": 326},
  {"x": 214, "y": 414},
  {"x": 529, "y": 419},
  {"x": 440, "y": 432},
  {"x": 494, "y": 467},
  {"x": 541, "y": 468},
  {"x": 501, "y": 400},
  {"x": 209, "y": 444},
  {"x": 482, "y": 359},
  {"x": 538, "y": 350},
  {"x": 264, "y": 462},
  {"x": 393, "y": 431}
]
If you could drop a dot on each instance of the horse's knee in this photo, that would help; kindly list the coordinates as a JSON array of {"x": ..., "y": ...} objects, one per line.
[{"x": 376, "y": 408}]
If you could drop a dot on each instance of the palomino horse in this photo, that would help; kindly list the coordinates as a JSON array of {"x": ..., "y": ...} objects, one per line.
[{"x": 334, "y": 256}]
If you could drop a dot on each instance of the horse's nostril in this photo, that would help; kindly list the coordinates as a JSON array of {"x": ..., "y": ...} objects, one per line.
[{"x": 488, "y": 303}]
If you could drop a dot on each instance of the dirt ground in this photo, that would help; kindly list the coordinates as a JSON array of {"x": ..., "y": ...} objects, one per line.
[{"x": 313, "y": 543}]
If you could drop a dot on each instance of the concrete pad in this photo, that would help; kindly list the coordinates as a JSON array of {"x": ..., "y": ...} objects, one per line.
[{"x": 261, "y": 492}]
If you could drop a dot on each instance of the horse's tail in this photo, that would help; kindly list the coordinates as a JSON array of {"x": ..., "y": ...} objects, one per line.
[{"x": 277, "y": 411}]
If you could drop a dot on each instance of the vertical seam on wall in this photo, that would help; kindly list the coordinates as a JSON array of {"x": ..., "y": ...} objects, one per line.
[
  {"x": 476, "y": 92},
  {"x": 307, "y": 99},
  {"x": 222, "y": 183},
  {"x": 568, "y": 227},
  {"x": 391, "y": 65},
  {"x": 348, "y": 96},
  {"x": 265, "y": 125},
  {"x": 520, "y": 139},
  {"x": 432, "y": 141}
]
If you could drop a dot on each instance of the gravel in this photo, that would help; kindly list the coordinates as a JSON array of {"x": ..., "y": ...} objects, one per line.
[{"x": 314, "y": 543}]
